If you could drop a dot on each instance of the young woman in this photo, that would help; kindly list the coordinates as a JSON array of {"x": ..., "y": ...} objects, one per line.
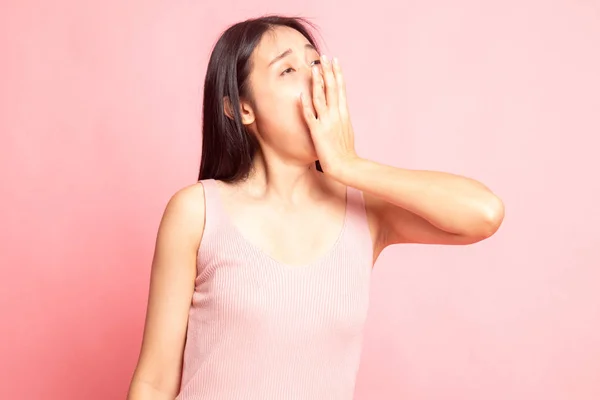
[{"x": 260, "y": 279}]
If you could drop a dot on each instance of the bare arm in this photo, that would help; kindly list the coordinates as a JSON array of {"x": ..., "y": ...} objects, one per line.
[
  {"x": 404, "y": 206},
  {"x": 427, "y": 207},
  {"x": 158, "y": 372}
]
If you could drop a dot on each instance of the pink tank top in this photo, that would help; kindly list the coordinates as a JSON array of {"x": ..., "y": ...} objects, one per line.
[{"x": 261, "y": 330}]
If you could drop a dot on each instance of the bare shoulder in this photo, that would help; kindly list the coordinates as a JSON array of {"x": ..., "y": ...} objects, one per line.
[
  {"x": 184, "y": 214},
  {"x": 189, "y": 199}
]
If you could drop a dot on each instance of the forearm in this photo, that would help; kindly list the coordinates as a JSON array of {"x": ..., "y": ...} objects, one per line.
[{"x": 451, "y": 202}]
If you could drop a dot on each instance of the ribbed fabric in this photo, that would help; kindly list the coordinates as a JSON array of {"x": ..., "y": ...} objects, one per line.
[{"x": 259, "y": 329}]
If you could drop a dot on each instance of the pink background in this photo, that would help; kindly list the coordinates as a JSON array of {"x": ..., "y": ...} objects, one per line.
[{"x": 100, "y": 124}]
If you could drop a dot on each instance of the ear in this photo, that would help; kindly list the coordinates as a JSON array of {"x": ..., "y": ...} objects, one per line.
[{"x": 246, "y": 110}]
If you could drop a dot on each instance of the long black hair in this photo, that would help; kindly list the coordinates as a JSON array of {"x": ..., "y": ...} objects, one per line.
[{"x": 227, "y": 147}]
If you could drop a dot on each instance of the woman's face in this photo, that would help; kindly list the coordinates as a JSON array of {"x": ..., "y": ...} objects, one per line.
[{"x": 281, "y": 71}]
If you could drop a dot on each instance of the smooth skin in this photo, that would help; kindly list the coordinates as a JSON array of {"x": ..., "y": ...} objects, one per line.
[{"x": 294, "y": 130}]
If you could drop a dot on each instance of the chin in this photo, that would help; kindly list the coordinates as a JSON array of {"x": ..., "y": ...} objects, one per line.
[{"x": 309, "y": 155}]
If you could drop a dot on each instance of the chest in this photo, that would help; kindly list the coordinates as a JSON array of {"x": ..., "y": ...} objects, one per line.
[
  {"x": 291, "y": 237},
  {"x": 322, "y": 299}
]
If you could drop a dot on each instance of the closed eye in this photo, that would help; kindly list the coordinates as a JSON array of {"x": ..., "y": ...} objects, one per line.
[{"x": 289, "y": 70}]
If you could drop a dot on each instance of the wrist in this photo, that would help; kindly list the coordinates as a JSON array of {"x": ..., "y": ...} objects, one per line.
[{"x": 345, "y": 169}]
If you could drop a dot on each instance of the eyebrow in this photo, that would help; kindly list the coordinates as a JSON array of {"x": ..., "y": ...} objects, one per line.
[{"x": 288, "y": 52}]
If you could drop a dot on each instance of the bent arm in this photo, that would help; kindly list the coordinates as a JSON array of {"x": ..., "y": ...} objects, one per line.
[{"x": 429, "y": 207}]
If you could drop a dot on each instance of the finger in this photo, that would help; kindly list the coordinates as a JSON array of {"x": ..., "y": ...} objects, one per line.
[
  {"x": 331, "y": 91},
  {"x": 341, "y": 88},
  {"x": 319, "y": 100},
  {"x": 307, "y": 111}
]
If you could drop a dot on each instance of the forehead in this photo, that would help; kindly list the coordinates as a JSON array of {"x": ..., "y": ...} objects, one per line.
[{"x": 276, "y": 41}]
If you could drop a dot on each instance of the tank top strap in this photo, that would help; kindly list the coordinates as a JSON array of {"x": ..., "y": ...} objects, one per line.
[
  {"x": 356, "y": 205},
  {"x": 216, "y": 219},
  {"x": 213, "y": 214},
  {"x": 359, "y": 232},
  {"x": 209, "y": 192}
]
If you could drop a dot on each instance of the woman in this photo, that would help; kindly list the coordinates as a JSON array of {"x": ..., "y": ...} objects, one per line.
[{"x": 260, "y": 279}]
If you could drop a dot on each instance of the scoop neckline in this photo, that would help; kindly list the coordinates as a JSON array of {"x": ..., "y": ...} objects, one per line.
[{"x": 263, "y": 254}]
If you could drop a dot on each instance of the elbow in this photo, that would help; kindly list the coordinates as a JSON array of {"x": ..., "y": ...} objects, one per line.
[
  {"x": 492, "y": 217},
  {"x": 486, "y": 222}
]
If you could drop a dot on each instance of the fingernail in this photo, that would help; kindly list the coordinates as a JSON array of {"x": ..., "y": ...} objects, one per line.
[
  {"x": 325, "y": 60},
  {"x": 335, "y": 61}
]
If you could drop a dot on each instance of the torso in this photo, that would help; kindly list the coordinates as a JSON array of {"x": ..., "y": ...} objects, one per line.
[{"x": 280, "y": 299}]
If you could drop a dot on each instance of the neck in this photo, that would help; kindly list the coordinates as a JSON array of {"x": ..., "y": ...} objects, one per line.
[{"x": 283, "y": 181}]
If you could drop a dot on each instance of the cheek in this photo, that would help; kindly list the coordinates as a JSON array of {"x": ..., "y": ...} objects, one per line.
[
  {"x": 281, "y": 107},
  {"x": 287, "y": 97}
]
